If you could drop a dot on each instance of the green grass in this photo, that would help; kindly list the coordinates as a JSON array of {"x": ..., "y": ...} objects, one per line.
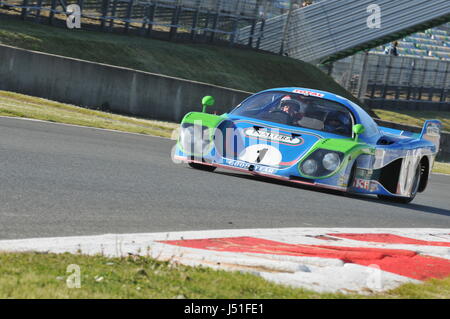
[
  {"x": 19, "y": 105},
  {"x": 240, "y": 69},
  {"x": 442, "y": 168},
  {"x": 416, "y": 118},
  {"x": 33, "y": 275},
  {"x": 431, "y": 289},
  {"x": 38, "y": 275}
]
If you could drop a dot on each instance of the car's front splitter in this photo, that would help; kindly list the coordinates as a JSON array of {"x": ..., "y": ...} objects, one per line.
[{"x": 261, "y": 170}]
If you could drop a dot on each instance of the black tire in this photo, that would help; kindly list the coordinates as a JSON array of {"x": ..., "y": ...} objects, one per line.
[
  {"x": 351, "y": 178},
  {"x": 406, "y": 200},
  {"x": 206, "y": 168}
]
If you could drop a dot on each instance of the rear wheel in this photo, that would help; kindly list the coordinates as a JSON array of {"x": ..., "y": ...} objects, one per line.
[
  {"x": 415, "y": 188},
  {"x": 206, "y": 168}
]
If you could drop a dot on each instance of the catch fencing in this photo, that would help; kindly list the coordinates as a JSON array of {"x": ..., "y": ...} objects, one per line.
[
  {"x": 386, "y": 81},
  {"x": 207, "y": 20}
]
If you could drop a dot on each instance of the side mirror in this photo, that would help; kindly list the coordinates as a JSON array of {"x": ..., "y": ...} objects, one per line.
[
  {"x": 358, "y": 129},
  {"x": 207, "y": 101}
]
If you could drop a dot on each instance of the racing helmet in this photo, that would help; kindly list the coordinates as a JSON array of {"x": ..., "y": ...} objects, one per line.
[{"x": 287, "y": 101}]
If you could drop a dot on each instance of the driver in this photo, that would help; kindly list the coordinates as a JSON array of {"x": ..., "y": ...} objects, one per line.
[
  {"x": 291, "y": 107},
  {"x": 286, "y": 112},
  {"x": 337, "y": 122}
]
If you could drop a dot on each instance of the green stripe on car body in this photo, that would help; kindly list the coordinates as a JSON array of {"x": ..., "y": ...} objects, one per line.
[
  {"x": 349, "y": 147},
  {"x": 208, "y": 120}
]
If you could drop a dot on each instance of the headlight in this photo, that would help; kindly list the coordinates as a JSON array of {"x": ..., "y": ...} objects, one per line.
[
  {"x": 187, "y": 138},
  {"x": 331, "y": 161},
  {"x": 195, "y": 139},
  {"x": 321, "y": 163},
  {"x": 309, "y": 167}
]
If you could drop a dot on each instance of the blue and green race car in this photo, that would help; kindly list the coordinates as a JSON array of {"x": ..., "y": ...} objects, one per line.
[{"x": 314, "y": 138}]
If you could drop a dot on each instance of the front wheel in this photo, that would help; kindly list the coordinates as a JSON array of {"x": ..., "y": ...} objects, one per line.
[
  {"x": 206, "y": 168},
  {"x": 415, "y": 187}
]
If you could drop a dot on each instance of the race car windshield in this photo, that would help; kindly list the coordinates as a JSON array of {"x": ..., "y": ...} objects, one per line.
[{"x": 299, "y": 111}]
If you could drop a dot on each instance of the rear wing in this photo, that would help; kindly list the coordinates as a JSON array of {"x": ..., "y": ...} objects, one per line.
[
  {"x": 431, "y": 131},
  {"x": 398, "y": 133}
]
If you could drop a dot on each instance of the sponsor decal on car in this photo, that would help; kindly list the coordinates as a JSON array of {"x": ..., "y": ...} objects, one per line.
[
  {"x": 275, "y": 137},
  {"x": 368, "y": 185},
  {"x": 361, "y": 183},
  {"x": 309, "y": 93},
  {"x": 244, "y": 165},
  {"x": 364, "y": 180},
  {"x": 343, "y": 180},
  {"x": 262, "y": 154}
]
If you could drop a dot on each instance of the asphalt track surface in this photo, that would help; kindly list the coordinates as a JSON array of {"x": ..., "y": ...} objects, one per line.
[{"x": 59, "y": 180}]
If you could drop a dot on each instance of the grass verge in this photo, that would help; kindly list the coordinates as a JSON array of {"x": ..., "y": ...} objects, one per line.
[
  {"x": 19, "y": 105},
  {"x": 441, "y": 168},
  {"x": 416, "y": 118},
  {"x": 34, "y": 275},
  {"x": 40, "y": 275}
]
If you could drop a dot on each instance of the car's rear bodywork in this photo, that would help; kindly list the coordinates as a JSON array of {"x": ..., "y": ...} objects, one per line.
[{"x": 378, "y": 161}]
